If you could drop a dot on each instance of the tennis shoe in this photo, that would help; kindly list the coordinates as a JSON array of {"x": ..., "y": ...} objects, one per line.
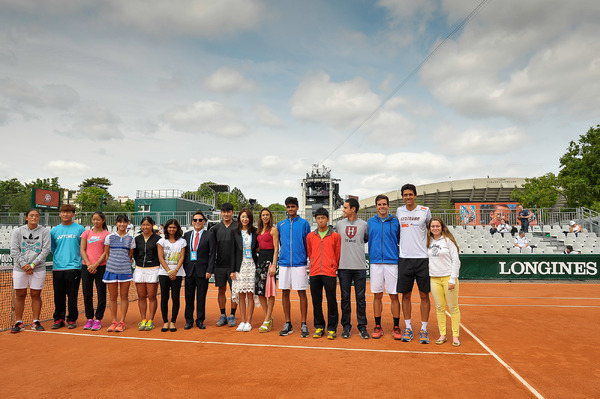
[
  {"x": 120, "y": 327},
  {"x": 331, "y": 335},
  {"x": 97, "y": 325},
  {"x": 37, "y": 326},
  {"x": 150, "y": 325},
  {"x": 71, "y": 325},
  {"x": 364, "y": 334},
  {"x": 231, "y": 320},
  {"x": 286, "y": 330},
  {"x": 88, "y": 324},
  {"x": 241, "y": 327},
  {"x": 407, "y": 336},
  {"x": 248, "y": 327},
  {"x": 142, "y": 325},
  {"x": 222, "y": 321},
  {"x": 318, "y": 333},
  {"x": 346, "y": 333},
  {"x": 112, "y": 326},
  {"x": 397, "y": 333},
  {"x": 19, "y": 326},
  {"x": 58, "y": 324},
  {"x": 304, "y": 330},
  {"x": 423, "y": 337},
  {"x": 377, "y": 332}
]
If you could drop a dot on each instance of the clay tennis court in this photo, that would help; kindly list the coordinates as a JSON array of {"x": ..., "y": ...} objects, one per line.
[{"x": 519, "y": 340}]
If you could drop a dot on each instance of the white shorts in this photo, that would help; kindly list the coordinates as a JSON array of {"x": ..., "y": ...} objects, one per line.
[
  {"x": 384, "y": 274},
  {"x": 145, "y": 275},
  {"x": 35, "y": 281},
  {"x": 294, "y": 278}
]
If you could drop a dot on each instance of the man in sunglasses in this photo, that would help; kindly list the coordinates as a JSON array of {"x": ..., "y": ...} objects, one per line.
[{"x": 199, "y": 264}]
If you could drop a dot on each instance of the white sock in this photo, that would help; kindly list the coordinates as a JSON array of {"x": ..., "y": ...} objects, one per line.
[
  {"x": 36, "y": 320},
  {"x": 424, "y": 325},
  {"x": 19, "y": 321},
  {"x": 407, "y": 323}
]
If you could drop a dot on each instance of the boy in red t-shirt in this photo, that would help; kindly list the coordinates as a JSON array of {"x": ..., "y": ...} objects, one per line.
[{"x": 323, "y": 248}]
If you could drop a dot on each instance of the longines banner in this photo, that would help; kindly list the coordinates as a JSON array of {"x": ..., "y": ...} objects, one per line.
[{"x": 530, "y": 267}]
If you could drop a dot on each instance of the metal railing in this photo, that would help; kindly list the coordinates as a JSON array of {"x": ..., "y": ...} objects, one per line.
[{"x": 588, "y": 219}]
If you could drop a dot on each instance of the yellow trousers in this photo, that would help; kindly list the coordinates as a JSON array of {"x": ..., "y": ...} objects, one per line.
[{"x": 442, "y": 296}]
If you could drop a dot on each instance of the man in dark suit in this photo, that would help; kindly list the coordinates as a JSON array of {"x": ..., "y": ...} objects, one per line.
[{"x": 199, "y": 265}]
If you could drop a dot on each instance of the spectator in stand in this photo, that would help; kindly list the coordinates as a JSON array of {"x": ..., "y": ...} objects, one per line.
[
  {"x": 522, "y": 243},
  {"x": 504, "y": 227},
  {"x": 574, "y": 228},
  {"x": 523, "y": 216},
  {"x": 493, "y": 228},
  {"x": 570, "y": 251}
]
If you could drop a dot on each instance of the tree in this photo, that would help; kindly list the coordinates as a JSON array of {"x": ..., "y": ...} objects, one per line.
[
  {"x": 100, "y": 182},
  {"x": 18, "y": 195},
  {"x": 579, "y": 174},
  {"x": 276, "y": 207},
  {"x": 90, "y": 198},
  {"x": 541, "y": 192}
]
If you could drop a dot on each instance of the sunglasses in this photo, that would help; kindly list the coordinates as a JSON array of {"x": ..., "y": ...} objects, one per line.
[{"x": 198, "y": 220}]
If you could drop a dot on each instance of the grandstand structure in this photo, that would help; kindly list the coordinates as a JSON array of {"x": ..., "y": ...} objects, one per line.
[{"x": 439, "y": 195}]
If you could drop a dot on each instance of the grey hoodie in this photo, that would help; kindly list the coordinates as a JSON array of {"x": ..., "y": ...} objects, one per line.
[{"x": 28, "y": 246}]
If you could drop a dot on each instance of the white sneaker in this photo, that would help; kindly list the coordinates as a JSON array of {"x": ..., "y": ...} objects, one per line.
[
  {"x": 248, "y": 327},
  {"x": 241, "y": 327}
]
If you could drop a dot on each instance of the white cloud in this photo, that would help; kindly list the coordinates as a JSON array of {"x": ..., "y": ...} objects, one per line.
[
  {"x": 204, "y": 163},
  {"x": 407, "y": 10},
  {"x": 227, "y": 80},
  {"x": 199, "y": 18},
  {"x": 207, "y": 117},
  {"x": 341, "y": 105},
  {"x": 94, "y": 123},
  {"x": 275, "y": 164},
  {"x": 390, "y": 127},
  {"x": 452, "y": 141},
  {"x": 67, "y": 168},
  {"x": 267, "y": 117},
  {"x": 521, "y": 60},
  {"x": 21, "y": 97},
  {"x": 204, "y": 18}
]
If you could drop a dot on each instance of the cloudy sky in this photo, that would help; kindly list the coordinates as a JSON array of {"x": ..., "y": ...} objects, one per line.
[{"x": 251, "y": 93}]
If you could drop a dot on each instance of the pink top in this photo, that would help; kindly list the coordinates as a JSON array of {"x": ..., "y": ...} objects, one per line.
[
  {"x": 265, "y": 240},
  {"x": 95, "y": 245}
]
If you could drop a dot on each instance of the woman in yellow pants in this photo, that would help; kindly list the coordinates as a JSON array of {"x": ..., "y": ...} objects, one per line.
[{"x": 444, "y": 266}]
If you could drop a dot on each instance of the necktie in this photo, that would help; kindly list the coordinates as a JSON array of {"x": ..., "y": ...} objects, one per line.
[{"x": 196, "y": 241}]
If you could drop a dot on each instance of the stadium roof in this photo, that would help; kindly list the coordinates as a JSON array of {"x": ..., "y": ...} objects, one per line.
[{"x": 438, "y": 195}]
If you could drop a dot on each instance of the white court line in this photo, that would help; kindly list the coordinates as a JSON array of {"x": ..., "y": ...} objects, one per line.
[
  {"x": 502, "y": 362},
  {"x": 531, "y": 306},
  {"x": 524, "y": 297},
  {"x": 262, "y": 345}
]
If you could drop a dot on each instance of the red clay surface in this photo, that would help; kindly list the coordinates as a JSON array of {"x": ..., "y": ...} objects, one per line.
[{"x": 548, "y": 341}]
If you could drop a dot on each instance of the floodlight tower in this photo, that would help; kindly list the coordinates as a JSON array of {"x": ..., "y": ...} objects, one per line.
[{"x": 319, "y": 190}]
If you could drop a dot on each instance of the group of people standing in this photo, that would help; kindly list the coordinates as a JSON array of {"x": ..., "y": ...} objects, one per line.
[{"x": 410, "y": 246}]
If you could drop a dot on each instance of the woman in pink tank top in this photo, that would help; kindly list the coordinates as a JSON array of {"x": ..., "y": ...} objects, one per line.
[{"x": 268, "y": 243}]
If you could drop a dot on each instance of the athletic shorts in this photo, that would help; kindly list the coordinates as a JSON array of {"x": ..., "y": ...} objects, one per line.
[
  {"x": 384, "y": 274},
  {"x": 146, "y": 275},
  {"x": 222, "y": 277},
  {"x": 294, "y": 278},
  {"x": 35, "y": 281},
  {"x": 411, "y": 269},
  {"x": 116, "y": 278}
]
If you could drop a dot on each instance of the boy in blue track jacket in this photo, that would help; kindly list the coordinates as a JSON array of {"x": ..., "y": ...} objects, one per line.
[
  {"x": 384, "y": 234},
  {"x": 292, "y": 264}
]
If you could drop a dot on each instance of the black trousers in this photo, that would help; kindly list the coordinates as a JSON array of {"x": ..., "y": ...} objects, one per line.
[
  {"x": 66, "y": 285},
  {"x": 88, "y": 281},
  {"x": 359, "y": 277},
  {"x": 174, "y": 286},
  {"x": 317, "y": 283},
  {"x": 196, "y": 288}
]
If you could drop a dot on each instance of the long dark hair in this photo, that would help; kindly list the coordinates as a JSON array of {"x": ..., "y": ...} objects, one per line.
[
  {"x": 178, "y": 233},
  {"x": 251, "y": 228},
  {"x": 101, "y": 214},
  {"x": 261, "y": 226}
]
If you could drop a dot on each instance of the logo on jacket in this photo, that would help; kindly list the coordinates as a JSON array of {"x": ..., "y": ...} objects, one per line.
[{"x": 351, "y": 231}]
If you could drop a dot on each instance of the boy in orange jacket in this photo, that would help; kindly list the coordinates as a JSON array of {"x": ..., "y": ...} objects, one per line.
[{"x": 323, "y": 248}]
